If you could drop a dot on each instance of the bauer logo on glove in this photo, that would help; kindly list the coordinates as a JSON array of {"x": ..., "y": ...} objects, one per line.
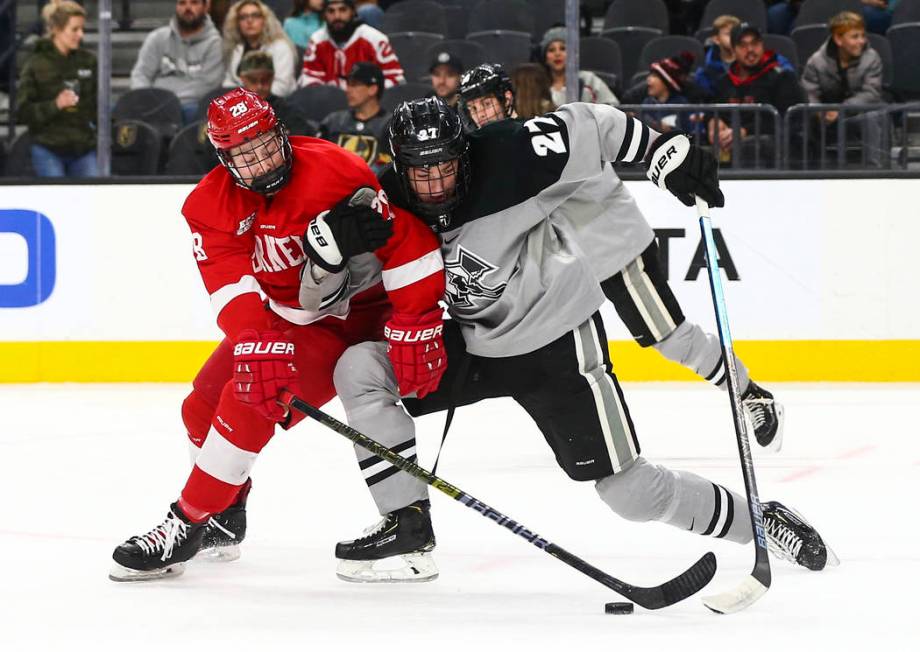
[{"x": 408, "y": 336}]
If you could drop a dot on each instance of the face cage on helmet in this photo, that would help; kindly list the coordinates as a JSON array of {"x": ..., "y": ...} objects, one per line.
[
  {"x": 268, "y": 182},
  {"x": 499, "y": 94},
  {"x": 437, "y": 214}
]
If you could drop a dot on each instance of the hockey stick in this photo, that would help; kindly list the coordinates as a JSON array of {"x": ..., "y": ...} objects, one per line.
[
  {"x": 655, "y": 597},
  {"x": 756, "y": 584}
]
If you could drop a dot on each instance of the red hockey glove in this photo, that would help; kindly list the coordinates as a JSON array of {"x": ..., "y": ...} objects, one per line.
[
  {"x": 263, "y": 365},
  {"x": 416, "y": 350}
]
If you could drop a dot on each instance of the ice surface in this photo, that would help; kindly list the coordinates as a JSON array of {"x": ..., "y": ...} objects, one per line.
[{"x": 86, "y": 466}]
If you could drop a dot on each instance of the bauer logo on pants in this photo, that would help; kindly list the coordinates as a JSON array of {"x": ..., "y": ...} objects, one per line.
[{"x": 28, "y": 265}]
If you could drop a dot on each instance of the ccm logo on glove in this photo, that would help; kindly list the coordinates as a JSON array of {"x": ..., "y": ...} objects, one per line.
[
  {"x": 399, "y": 335},
  {"x": 264, "y": 348}
]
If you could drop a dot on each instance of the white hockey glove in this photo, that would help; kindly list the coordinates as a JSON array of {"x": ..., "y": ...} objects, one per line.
[
  {"x": 684, "y": 169},
  {"x": 352, "y": 227}
]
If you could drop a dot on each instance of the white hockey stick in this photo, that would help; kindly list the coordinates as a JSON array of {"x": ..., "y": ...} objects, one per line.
[{"x": 756, "y": 584}]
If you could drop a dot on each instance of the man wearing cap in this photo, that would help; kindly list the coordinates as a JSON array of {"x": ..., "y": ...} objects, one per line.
[
  {"x": 445, "y": 70},
  {"x": 361, "y": 128},
  {"x": 756, "y": 77},
  {"x": 257, "y": 73},
  {"x": 343, "y": 41}
]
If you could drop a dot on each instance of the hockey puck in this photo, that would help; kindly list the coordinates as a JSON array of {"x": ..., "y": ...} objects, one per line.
[{"x": 618, "y": 607}]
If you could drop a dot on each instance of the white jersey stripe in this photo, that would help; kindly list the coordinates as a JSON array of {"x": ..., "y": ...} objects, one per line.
[
  {"x": 228, "y": 293},
  {"x": 636, "y": 140},
  {"x": 640, "y": 305},
  {"x": 627, "y": 431},
  {"x": 413, "y": 271},
  {"x": 223, "y": 460},
  {"x": 653, "y": 293},
  {"x": 598, "y": 401},
  {"x": 383, "y": 464},
  {"x": 723, "y": 511}
]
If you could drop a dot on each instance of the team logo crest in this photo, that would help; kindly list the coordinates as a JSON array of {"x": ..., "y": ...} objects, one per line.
[
  {"x": 246, "y": 224},
  {"x": 363, "y": 146},
  {"x": 465, "y": 281}
]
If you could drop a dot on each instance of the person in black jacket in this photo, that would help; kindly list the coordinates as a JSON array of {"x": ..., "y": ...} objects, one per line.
[{"x": 756, "y": 77}]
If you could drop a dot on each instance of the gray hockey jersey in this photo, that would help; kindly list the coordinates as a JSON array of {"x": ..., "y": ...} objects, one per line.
[{"x": 517, "y": 277}]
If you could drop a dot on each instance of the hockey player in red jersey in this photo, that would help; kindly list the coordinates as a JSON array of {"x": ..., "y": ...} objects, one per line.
[{"x": 278, "y": 216}]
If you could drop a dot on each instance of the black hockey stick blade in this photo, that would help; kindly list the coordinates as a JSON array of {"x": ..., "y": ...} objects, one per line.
[{"x": 655, "y": 597}]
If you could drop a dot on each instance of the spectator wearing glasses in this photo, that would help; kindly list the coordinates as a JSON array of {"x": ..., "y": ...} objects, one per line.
[
  {"x": 343, "y": 41},
  {"x": 252, "y": 25},
  {"x": 183, "y": 57},
  {"x": 57, "y": 96},
  {"x": 305, "y": 19}
]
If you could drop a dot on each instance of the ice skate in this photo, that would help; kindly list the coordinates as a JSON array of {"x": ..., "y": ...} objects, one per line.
[
  {"x": 396, "y": 549},
  {"x": 766, "y": 416},
  {"x": 160, "y": 553},
  {"x": 791, "y": 537},
  {"x": 225, "y": 531}
]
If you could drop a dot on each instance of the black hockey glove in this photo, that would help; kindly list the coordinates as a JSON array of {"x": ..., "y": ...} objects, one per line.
[
  {"x": 352, "y": 227},
  {"x": 684, "y": 169}
]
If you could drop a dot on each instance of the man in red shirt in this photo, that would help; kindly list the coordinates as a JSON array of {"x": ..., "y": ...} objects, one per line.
[
  {"x": 304, "y": 224},
  {"x": 343, "y": 41}
]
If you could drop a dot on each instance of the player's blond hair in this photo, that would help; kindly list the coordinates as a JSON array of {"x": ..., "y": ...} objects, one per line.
[
  {"x": 271, "y": 29},
  {"x": 57, "y": 13}
]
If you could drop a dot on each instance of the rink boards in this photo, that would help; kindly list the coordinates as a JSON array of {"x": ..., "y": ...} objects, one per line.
[{"x": 98, "y": 283}]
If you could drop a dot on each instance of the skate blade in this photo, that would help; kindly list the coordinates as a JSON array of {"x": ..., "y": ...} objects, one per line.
[
  {"x": 219, "y": 553},
  {"x": 409, "y": 568},
  {"x": 832, "y": 560},
  {"x": 120, "y": 573}
]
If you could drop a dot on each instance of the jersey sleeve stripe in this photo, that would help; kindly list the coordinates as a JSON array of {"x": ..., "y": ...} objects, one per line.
[
  {"x": 637, "y": 135},
  {"x": 413, "y": 271},
  {"x": 627, "y": 140},
  {"x": 228, "y": 293}
]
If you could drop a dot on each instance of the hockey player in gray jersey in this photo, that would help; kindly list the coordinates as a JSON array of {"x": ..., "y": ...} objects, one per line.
[
  {"x": 525, "y": 324},
  {"x": 623, "y": 252}
]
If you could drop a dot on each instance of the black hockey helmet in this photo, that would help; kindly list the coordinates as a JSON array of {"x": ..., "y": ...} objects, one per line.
[
  {"x": 423, "y": 134},
  {"x": 487, "y": 80}
]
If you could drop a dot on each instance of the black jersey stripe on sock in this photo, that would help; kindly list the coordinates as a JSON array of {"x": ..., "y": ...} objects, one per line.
[
  {"x": 386, "y": 473},
  {"x": 730, "y": 514},
  {"x": 627, "y": 139},
  {"x": 715, "y": 370},
  {"x": 715, "y": 513},
  {"x": 373, "y": 459}
]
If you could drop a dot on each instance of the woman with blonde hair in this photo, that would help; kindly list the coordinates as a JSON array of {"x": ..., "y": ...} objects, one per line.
[
  {"x": 532, "y": 95},
  {"x": 252, "y": 25},
  {"x": 57, "y": 96}
]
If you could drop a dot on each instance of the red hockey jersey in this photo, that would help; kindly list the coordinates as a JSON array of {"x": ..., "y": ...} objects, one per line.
[
  {"x": 246, "y": 244},
  {"x": 324, "y": 62}
]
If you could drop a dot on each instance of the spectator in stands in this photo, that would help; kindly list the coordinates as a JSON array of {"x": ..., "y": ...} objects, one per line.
[
  {"x": 183, "y": 57},
  {"x": 845, "y": 70},
  {"x": 361, "y": 128},
  {"x": 370, "y": 12},
  {"x": 57, "y": 96},
  {"x": 719, "y": 55},
  {"x": 343, "y": 41},
  {"x": 252, "y": 25},
  {"x": 305, "y": 19},
  {"x": 876, "y": 13},
  {"x": 591, "y": 87},
  {"x": 532, "y": 95},
  {"x": 754, "y": 78},
  {"x": 445, "y": 70},
  {"x": 665, "y": 84},
  {"x": 257, "y": 74}
]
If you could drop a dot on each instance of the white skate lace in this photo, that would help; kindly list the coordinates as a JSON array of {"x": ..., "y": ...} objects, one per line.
[
  {"x": 757, "y": 410},
  {"x": 166, "y": 535},
  {"x": 782, "y": 541},
  {"x": 214, "y": 523}
]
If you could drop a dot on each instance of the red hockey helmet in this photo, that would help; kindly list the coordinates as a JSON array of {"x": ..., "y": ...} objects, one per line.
[{"x": 250, "y": 141}]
